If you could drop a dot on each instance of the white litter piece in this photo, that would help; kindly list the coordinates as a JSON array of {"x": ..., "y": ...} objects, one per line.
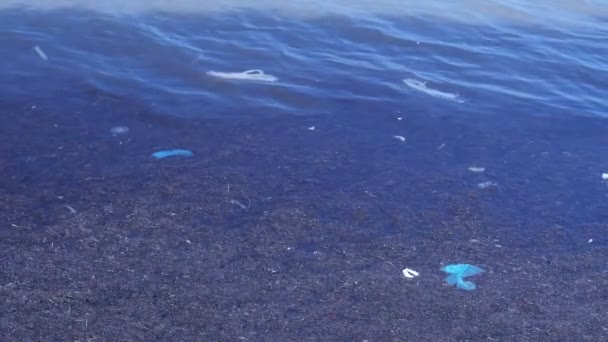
[
  {"x": 249, "y": 75},
  {"x": 410, "y": 273},
  {"x": 311, "y": 128},
  {"x": 119, "y": 130},
  {"x": 486, "y": 184},
  {"x": 399, "y": 118},
  {"x": 476, "y": 169},
  {"x": 41, "y": 53},
  {"x": 590, "y": 241},
  {"x": 72, "y": 210},
  {"x": 605, "y": 176},
  {"x": 370, "y": 194},
  {"x": 399, "y": 137},
  {"x": 421, "y": 86},
  {"x": 237, "y": 203}
]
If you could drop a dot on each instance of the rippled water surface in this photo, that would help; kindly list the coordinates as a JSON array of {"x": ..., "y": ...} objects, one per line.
[{"x": 500, "y": 56}]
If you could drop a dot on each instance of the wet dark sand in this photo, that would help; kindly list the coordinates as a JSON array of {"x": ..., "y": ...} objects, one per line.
[{"x": 157, "y": 250}]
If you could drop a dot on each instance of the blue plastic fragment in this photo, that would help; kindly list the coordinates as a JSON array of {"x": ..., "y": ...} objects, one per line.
[
  {"x": 171, "y": 153},
  {"x": 457, "y": 274}
]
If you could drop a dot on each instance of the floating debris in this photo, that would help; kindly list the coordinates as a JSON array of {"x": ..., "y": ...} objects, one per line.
[
  {"x": 41, "y": 53},
  {"x": 590, "y": 241},
  {"x": 72, "y": 210},
  {"x": 399, "y": 118},
  {"x": 421, "y": 86},
  {"x": 172, "y": 153},
  {"x": 399, "y": 137},
  {"x": 370, "y": 194},
  {"x": 476, "y": 169},
  {"x": 441, "y": 146},
  {"x": 605, "y": 176},
  {"x": 119, "y": 130},
  {"x": 410, "y": 273},
  {"x": 460, "y": 271},
  {"x": 249, "y": 75},
  {"x": 311, "y": 128},
  {"x": 486, "y": 184}
]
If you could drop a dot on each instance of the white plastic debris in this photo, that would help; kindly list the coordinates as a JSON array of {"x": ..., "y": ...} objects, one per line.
[
  {"x": 41, "y": 53},
  {"x": 311, "y": 128},
  {"x": 119, "y": 130},
  {"x": 399, "y": 137},
  {"x": 590, "y": 241},
  {"x": 605, "y": 176},
  {"x": 410, "y": 273},
  {"x": 399, "y": 118},
  {"x": 486, "y": 184},
  {"x": 249, "y": 75},
  {"x": 239, "y": 204},
  {"x": 422, "y": 87},
  {"x": 476, "y": 169}
]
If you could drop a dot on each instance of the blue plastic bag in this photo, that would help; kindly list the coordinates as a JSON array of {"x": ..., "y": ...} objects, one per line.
[
  {"x": 457, "y": 274},
  {"x": 171, "y": 153}
]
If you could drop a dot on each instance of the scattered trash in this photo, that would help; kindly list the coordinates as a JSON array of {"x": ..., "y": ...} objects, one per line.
[
  {"x": 119, "y": 130},
  {"x": 457, "y": 274},
  {"x": 41, "y": 53},
  {"x": 311, "y": 128},
  {"x": 476, "y": 169},
  {"x": 605, "y": 176},
  {"x": 410, "y": 273},
  {"x": 249, "y": 75},
  {"x": 441, "y": 147},
  {"x": 421, "y": 86},
  {"x": 171, "y": 153},
  {"x": 399, "y": 118},
  {"x": 399, "y": 137},
  {"x": 72, "y": 210},
  {"x": 486, "y": 184},
  {"x": 188, "y": 242},
  {"x": 590, "y": 241}
]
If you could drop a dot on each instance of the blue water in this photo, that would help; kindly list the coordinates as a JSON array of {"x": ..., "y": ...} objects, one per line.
[
  {"x": 501, "y": 58},
  {"x": 286, "y": 208}
]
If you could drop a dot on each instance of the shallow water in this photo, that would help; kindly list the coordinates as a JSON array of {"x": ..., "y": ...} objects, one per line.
[{"x": 377, "y": 136}]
